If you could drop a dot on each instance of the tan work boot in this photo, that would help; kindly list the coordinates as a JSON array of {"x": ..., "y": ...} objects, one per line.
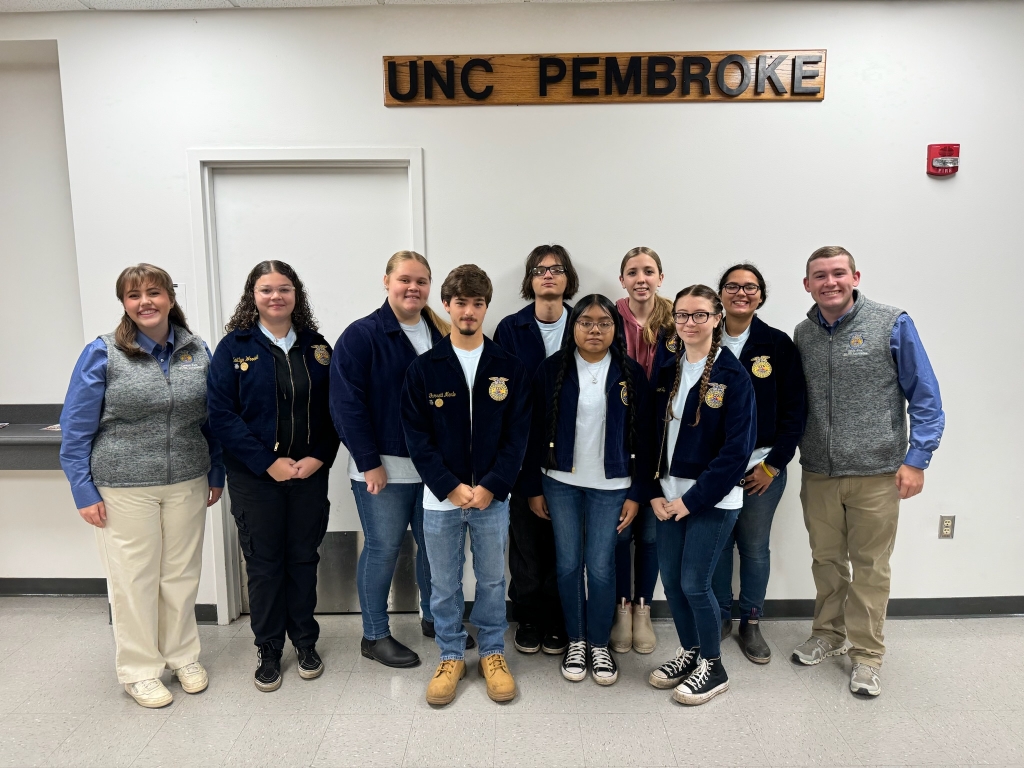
[
  {"x": 644, "y": 639},
  {"x": 622, "y": 629},
  {"x": 500, "y": 684},
  {"x": 442, "y": 686}
]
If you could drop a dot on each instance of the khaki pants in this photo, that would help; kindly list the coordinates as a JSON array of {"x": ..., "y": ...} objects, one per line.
[
  {"x": 851, "y": 522},
  {"x": 152, "y": 549}
]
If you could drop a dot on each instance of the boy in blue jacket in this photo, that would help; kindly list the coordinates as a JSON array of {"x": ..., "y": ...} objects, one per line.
[{"x": 465, "y": 411}]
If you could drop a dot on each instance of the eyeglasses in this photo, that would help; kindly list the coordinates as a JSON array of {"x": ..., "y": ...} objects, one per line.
[
  {"x": 554, "y": 269},
  {"x": 748, "y": 288},
  {"x": 699, "y": 318},
  {"x": 602, "y": 325},
  {"x": 284, "y": 290}
]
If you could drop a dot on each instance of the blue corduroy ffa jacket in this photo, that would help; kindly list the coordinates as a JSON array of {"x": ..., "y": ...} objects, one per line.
[
  {"x": 519, "y": 335},
  {"x": 773, "y": 363},
  {"x": 444, "y": 447},
  {"x": 367, "y": 373},
  {"x": 242, "y": 397},
  {"x": 716, "y": 451},
  {"x": 616, "y": 439}
]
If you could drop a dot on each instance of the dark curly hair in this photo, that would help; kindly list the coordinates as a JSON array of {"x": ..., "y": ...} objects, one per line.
[{"x": 246, "y": 315}]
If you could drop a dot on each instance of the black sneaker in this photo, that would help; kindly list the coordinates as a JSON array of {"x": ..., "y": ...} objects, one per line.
[
  {"x": 528, "y": 638},
  {"x": 673, "y": 672},
  {"x": 268, "y": 673},
  {"x": 427, "y": 627},
  {"x": 310, "y": 664},
  {"x": 603, "y": 666},
  {"x": 704, "y": 683},
  {"x": 555, "y": 642},
  {"x": 753, "y": 644},
  {"x": 574, "y": 662}
]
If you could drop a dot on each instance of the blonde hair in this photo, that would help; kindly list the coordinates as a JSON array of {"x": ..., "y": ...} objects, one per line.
[
  {"x": 442, "y": 325},
  {"x": 661, "y": 316},
  {"x": 139, "y": 276}
]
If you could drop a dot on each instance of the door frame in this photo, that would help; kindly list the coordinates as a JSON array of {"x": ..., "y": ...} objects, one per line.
[{"x": 207, "y": 313}]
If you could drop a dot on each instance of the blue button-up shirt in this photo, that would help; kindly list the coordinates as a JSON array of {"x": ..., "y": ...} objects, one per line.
[
  {"x": 919, "y": 385},
  {"x": 83, "y": 406}
]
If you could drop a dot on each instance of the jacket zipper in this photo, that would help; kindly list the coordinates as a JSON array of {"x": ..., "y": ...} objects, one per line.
[
  {"x": 291, "y": 402},
  {"x": 828, "y": 428},
  {"x": 170, "y": 409},
  {"x": 309, "y": 422}
]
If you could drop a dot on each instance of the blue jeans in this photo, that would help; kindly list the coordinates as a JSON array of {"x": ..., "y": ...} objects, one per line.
[
  {"x": 643, "y": 566},
  {"x": 584, "y": 521},
  {"x": 688, "y": 550},
  {"x": 385, "y": 517},
  {"x": 750, "y": 535},
  {"x": 444, "y": 534}
]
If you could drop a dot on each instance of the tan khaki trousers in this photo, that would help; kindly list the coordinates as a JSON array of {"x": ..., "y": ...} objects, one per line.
[
  {"x": 851, "y": 522},
  {"x": 152, "y": 549}
]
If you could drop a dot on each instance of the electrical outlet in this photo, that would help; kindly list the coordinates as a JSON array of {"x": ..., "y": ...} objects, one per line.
[{"x": 946, "y": 523}]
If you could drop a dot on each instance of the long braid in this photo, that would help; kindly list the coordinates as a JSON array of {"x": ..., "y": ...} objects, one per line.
[
  {"x": 668, "y": 409},
  {"x": 716, "y": 342},
  {"x": 568, "y": 348}
]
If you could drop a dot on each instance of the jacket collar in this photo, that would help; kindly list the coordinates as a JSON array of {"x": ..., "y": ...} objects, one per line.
[
  {"x": 858, "y": 302},
  {"x": 526, "y": 316},
  {"x": 391, "y": 324},
  {"x": 303, "y": 338},
  {"x": 443, "y": 349},
  {"x": 760, "y": 332}
]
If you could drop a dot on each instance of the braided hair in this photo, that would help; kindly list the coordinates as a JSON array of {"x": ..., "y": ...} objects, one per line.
[
  {"x": 619, "y": 355},
  {"x": 702, "y": 292}
]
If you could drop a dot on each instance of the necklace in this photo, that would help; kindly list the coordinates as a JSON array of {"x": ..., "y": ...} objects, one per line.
[{"x": 590, "y": 371}]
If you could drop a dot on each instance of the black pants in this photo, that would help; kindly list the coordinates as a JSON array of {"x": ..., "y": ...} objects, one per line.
[
  {"x": 280, "y": 527},
  {"x": 533, "y": 588}
]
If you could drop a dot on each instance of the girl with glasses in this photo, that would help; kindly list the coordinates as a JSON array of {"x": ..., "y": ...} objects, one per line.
[
  {"x": 647, "y": 325},
  {"x": 772, "y": 362},
  {"x": 704, "y": 403},
  {"x": 586, "y": 469}
]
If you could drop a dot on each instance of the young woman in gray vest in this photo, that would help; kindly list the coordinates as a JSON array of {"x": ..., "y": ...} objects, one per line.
[
  {"x": 770, "y": 359},
  {"x": 143, "y": 469},
  {"x": 269, "y": 408}
]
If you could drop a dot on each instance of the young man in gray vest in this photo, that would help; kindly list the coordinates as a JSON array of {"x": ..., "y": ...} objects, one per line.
[{"x": 866, "y": 369}]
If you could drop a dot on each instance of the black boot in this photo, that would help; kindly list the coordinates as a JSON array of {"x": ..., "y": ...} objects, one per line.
[
  {"x": 427, "y": 627},
  {"x": 753, "y": 644},
  {"x": 389, "y": 652},
  {"x": 268, "y": 673}
]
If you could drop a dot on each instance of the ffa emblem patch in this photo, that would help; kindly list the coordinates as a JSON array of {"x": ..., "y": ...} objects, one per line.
[
  {"x": 856, "y": 341},
  {"x": 624, "y": 394},
  {"x": 244, "y": 366},
  {"x": 672, "y": 344},
  {"x": 761, "y": 367},
  {"x": 184, "y": 357},
  {"x": 321, "y": 354},
  {"x": 715, "y": 396},
  {"x": 498, "y": 389}
]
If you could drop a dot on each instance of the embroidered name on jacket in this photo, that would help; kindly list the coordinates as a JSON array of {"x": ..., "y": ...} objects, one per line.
[{"x": 438, "y": 398}]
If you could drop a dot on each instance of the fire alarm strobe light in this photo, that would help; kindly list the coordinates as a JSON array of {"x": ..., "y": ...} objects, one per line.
[{"x": 943, "y": 159}]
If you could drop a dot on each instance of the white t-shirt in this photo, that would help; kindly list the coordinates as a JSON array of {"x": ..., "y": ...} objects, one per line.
[
  {"x": 591, "y": 422},
  {"x": 400, "y": 469},
  {"x": 735, "y": 345},
  {"x": 552, "y": 334},
  {"x": 675, "y": 487},
  {"x": 468, "y": 361}
]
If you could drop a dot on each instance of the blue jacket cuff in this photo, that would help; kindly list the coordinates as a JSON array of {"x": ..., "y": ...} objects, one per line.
[
  {"x": 86, "y": 496},
  {"x": 918, "y": 458},
  {"x": 215, "y": 477}
]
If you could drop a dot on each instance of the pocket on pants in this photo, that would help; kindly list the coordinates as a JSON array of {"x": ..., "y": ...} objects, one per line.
[{"x": 244, "y": 537}]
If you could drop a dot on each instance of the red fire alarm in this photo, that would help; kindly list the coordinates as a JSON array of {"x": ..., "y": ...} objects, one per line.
[{"x": 943, "y": 159}]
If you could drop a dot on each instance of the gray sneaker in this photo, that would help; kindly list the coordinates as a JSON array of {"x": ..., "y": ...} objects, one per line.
[
  {"x": 864, "y": 680},
  {"x": 815, "y": 650}
]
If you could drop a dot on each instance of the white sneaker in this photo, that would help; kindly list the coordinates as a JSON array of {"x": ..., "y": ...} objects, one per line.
[
  {"x": 151, "y": 693},
  {"x": 192, "y": 677},
  {"x": 864, "y": 680}
]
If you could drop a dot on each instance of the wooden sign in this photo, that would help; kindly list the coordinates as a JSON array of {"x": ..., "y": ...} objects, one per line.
[{"x": 600, "y": 78}]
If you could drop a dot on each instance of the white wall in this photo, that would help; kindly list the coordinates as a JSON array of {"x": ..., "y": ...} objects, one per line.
[{"x": 704, "y": 184}]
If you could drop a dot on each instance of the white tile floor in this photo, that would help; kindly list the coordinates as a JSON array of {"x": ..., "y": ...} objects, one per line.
[{"x": 951, "y": 696}]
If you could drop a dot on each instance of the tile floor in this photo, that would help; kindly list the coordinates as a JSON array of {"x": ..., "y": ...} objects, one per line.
[{"x": 952, "y": 695}]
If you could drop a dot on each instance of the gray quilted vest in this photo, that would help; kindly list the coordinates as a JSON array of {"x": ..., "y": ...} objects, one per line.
[
  {"x": 856, "y": 410},
  {"x": 149, "y": 431}
]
